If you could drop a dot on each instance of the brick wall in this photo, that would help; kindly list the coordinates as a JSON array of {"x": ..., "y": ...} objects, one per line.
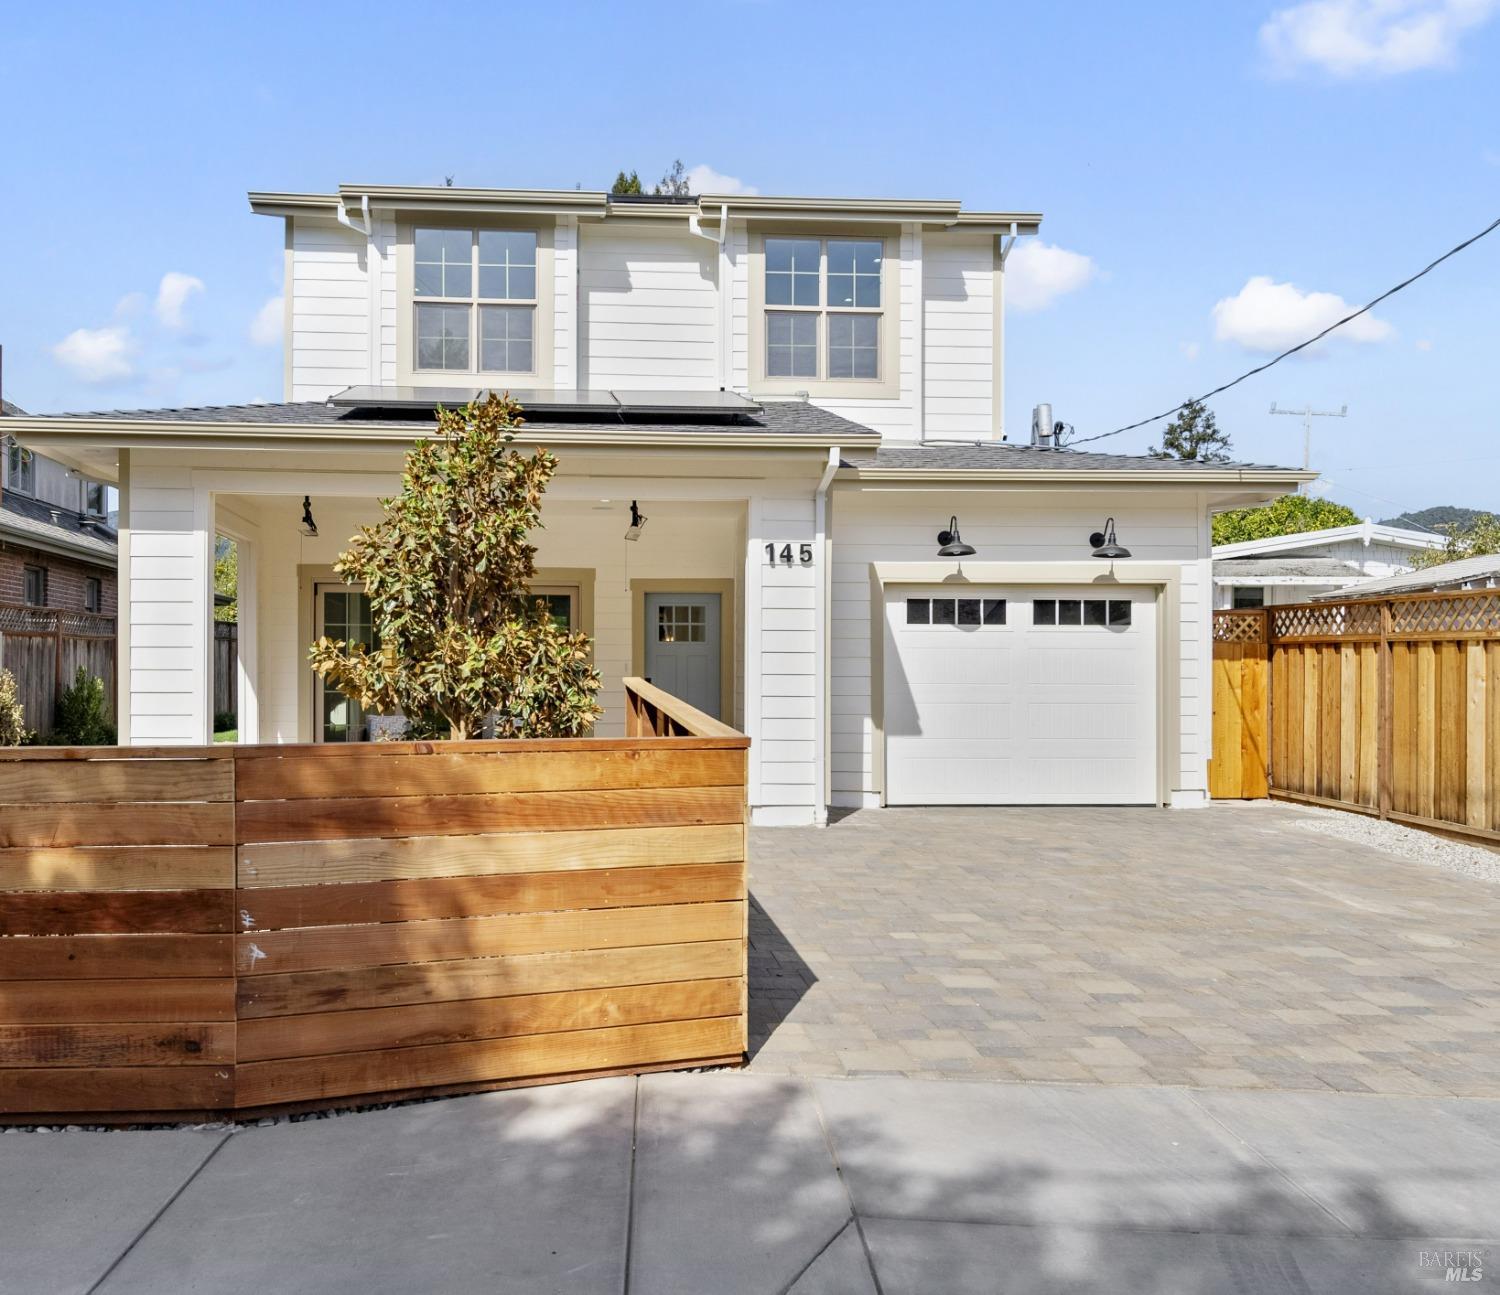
[{"x": 65, "y": 579}]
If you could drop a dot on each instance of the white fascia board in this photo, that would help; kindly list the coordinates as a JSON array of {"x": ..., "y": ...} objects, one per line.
[
  {"x": 1394, "y": 535},
  {"x": 1277, "y": 482}
]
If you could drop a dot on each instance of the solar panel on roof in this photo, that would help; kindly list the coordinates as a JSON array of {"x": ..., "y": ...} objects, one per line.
[
  {"x": 402, "y": 397},
  {"x": 559, "y": 399},
  {"x": 686, "y": 402}
]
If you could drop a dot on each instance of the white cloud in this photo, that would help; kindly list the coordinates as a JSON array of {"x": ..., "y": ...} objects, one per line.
[
  {"x": 1269, "y": 316},
  {"x": 266, "y": 327},
  {"x": 172, "y": 297},
  {"x": 1189, "y": 349},
  {"x": 98, "y": 355},
  {"x": 704, "y": 179},
  {"x": 1373, "y": 37},
  {"x": 1037, "y": 274}
]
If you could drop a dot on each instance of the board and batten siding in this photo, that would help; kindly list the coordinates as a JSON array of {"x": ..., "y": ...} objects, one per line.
[
  {"x": 647, "y": 311},
  {"x": 892, "y": 526},
  {"x": 331, "y": 312}
]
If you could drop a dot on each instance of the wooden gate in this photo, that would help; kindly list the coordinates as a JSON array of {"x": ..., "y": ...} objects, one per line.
[{"x": 1240, "y": 765}]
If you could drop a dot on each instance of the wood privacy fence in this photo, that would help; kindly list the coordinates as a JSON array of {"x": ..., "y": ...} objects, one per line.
[
  {"x": 1389, "y": 707},
  {"x": 194, "y": 930},
  {"x": 43, "y": 648},
  {"x": 226, "y": 668}
]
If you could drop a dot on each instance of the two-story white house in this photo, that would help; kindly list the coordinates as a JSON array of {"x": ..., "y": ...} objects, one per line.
[{"x": 802, "y": 398}]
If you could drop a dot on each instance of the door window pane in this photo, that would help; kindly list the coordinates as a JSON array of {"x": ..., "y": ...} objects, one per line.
[
  {"x": 505, "y": 337},
  {"x": 1119, "y": 611},
  {"x": 943, "y": 611},
  {"x": 507, "y": 264},
  {"x": 791, "y": 345},
  {"x": 792, "y": 271},
  {"x": 968, "y": 611},
  {"x": 442, "y": 262},
  {"x": 994, "y": 611},
  {"x": 854, "y": 272},
  {"x": 681, "y": 623},
  {"x": 1044, "y": 611},
  {"x": 1095, "y": 611},
  {"x": 918, "y": 611},
  {"x": 1069, "y": 612},
  {"x": 346, "y": 618},
  {"x": 853, "y": 346},
  {"x": 442, "y": 337}
]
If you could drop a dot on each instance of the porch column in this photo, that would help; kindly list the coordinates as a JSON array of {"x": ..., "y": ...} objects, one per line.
[{"x": 166, "y": 604}]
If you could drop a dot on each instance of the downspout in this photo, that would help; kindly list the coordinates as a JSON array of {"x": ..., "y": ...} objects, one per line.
[
  {"x": 1003, "y": 248},
  {"x": 372, "y": 281},
  {"x": 822, "y": 739},
  {"x": 342, "y": 216},
  {"x": 721, "y": 330}
]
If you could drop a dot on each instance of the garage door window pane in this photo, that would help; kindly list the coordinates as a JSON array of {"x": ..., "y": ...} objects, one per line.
[
  {"x": 942, "y": 611},
  {"x": 1069, "y": 612},
  {"x": 1119, "y": 611},
  {"x": 968, "y": 611},
  {"x": 1044, "y": 612},
  {"x": 1095, "y": 611},
  {"x": 918, "y": 611},
  {"x": 994, "y": 611}
]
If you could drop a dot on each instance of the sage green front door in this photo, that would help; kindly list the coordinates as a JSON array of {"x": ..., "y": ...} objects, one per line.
[{"x": 683, "y": 649}]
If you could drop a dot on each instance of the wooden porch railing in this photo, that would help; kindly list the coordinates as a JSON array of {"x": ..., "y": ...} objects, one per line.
[{"x": 220, "y": 930}]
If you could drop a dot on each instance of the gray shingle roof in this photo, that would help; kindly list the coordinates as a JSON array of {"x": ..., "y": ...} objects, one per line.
[
  {"x": 24, "y": 519},
  {"x": 1332, "y": 568},
  {"x": 1001, "y": 455},
  {"x": 1480, "y": 571},
  {"x": 8, "y": 410},
  {"x": 778, "y": 417}
]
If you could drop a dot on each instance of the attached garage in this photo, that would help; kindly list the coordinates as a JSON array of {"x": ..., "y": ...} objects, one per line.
[{"x": 1020, "y": 695}]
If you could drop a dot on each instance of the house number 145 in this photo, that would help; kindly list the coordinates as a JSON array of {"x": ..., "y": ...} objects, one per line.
[{"x": 783, "y": 556}]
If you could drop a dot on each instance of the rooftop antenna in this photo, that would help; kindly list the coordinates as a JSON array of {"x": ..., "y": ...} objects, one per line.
[{"x": 1307, "y": 414}]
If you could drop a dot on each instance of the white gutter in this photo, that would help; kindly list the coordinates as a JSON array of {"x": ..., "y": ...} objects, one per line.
[
  {"x": 721, "y": 322},
  {"x": 822, "y": 600},
  {"x": 342, "y": 216}
]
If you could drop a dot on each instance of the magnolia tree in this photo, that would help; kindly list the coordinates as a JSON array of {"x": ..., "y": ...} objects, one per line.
[{"x": 448, "y": 571}]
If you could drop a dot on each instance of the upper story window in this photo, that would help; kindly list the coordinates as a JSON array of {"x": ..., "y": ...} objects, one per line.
[
  {"x": 20, "y": 468},
  {"x": 475, "y": 300},
  {"x": 823, "y": 308},
  {"x": 95, "y": 498},
  {"x": 34, "y": 586}
]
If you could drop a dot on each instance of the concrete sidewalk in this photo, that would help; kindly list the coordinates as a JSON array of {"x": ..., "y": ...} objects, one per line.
[{"x": 732, "y": 1182}]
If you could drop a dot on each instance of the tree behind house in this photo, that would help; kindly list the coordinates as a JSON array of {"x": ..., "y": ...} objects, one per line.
[
  {"x": 447, "y": 570},
  {"x": 1194, "y": 434},
  {"x": 1289, "y": 515},
  {"x": 626, "y": 184},
  {"x": 1477, "y": 539}
]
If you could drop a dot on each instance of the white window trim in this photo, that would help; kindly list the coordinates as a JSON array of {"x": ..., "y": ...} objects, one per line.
[
  {"x": 407, "y": 373},
  {"x": 26, "y": 456},
  {"x": 885, "y": 387}
]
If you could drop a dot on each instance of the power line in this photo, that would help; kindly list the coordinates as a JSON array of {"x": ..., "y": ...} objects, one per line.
[{"x": 1301, "y": 346}]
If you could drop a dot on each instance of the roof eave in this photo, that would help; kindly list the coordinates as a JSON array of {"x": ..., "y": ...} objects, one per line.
[
  {"x": 1279, "y": 479},
  {"x": 60, "y": 545}
]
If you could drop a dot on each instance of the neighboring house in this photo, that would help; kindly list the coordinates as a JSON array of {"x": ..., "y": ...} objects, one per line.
[
  {"x": 797, "y": 394},
  {"x": 1464, "y": 573},
  {"x": 57, "y": 539},
  {"x": 1296, "y": 568}
]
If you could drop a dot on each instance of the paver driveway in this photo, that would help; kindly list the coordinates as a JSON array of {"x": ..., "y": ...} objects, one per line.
[{"x": 1227, "y": 948}]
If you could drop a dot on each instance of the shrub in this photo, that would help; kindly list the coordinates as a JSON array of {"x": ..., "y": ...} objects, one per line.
[
  {"x": 12, "y": 714},
  {"x": 224, "y": 720},
  {"x": 82, "y": 719}
]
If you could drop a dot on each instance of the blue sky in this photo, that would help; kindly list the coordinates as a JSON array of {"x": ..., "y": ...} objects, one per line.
[{"x": 1203, "y": 170}]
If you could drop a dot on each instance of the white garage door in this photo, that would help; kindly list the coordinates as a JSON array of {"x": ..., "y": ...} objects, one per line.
[{"x": 1020, "y": 695}]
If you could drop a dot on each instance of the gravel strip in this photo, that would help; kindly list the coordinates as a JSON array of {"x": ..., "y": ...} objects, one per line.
[{"x": 1409, "y": 843}]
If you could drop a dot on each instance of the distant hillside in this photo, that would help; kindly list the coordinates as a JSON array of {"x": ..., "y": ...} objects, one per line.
[{"x": 1436, "y": 518}]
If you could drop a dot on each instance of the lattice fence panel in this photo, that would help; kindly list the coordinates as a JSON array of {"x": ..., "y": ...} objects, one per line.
[
  {"x": 1239, "y": 627},
  {"x": 1326, "y": 621},
  {"x": 1458, "y": 614}
]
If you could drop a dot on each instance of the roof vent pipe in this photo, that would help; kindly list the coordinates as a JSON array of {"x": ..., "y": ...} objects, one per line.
[{"x": 1042, "y": 427}]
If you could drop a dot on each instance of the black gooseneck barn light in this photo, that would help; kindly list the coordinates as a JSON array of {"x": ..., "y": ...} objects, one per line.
[
  {"x": 637, "y": 522},
  {"x": 309, "y": 527},
  {"x": 952, "y": 542},
  {"x": 1106, "y": 545}
]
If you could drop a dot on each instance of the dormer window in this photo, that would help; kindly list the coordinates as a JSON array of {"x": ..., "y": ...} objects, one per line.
[
  {"x": 475, "y": 300},
  {"x": 20, "y": 468}
]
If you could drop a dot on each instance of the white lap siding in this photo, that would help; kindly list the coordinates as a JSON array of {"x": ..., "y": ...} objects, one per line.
[
  {"x": 1021, "y": 526},
  {"x": 648, "y": 313},
  {"x": 164, "y": 592},
  {"x": 958, "y": 335},
  {"x": 331, "y": 311},
  {"x": 781, "y": 688}
]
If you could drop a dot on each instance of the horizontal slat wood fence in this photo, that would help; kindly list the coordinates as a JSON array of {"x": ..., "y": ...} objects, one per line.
[
  {"x": 1388, "y": 707},
  {"x": 187, "y": 931}
]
